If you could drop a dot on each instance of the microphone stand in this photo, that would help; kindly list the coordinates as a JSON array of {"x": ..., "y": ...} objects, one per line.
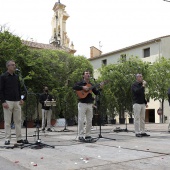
[
  {"x": 26, "y": 106},
  {"x": 100, "y": 114},
  {"x": 65, "y": 113},
  {"x": 38, "y": 144},
  {"x": 65, "y": 126},
  {"x": 118, "y": 129}
]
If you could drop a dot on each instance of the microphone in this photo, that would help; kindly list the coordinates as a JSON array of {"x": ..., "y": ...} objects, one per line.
[
  {"x": 144, "y": 83},
  {"x": 17, "y": 70}
]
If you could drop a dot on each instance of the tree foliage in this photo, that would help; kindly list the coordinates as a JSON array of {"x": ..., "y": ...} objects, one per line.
[
  {"x": 121, "y": 76},
  {"x": 159, "y": 80},
  {"x": 56, "y": 69},
  {"x": 11, "y": 48},
  {"x": 60, "y": 71}
]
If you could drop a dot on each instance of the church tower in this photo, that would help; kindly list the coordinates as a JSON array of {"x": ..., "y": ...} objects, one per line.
[{"x": 59, "y": 34}]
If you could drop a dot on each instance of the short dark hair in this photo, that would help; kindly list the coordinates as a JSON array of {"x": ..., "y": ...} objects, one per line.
[
  {"x": 86, "y": 71},
  {"x": 138, "y": 74}
]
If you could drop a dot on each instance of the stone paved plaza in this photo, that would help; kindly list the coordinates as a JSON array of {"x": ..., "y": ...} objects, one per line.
[{"x": 113, "y": 150}]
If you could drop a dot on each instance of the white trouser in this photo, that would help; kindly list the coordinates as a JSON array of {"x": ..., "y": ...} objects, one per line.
[
  {"x": 15, "y": 108},
  {"x": 139, "y": 118},
  {"x": 46, "y": 114},
  {"x": 84, "y": 110}
]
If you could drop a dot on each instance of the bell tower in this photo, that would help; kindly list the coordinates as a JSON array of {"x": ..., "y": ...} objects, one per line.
[{"x": 59, "y": 34}]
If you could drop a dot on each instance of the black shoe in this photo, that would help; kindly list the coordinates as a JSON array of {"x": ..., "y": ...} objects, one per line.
[
  {"x": 138, "y": 135},
  {"x": 81, "y": 139},
  {"x": 7, "y": 142},
  {"x": 88, "y": 137},
  {"x": 43, "y": 129},
  {"x": 20, "y": 141},
  {"x": 49, "y": 130},
  {"x": 144, "y": 134}
]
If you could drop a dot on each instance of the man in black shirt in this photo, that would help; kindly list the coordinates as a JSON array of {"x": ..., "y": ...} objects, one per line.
[
  {"x": 10, "y": 96},
  {"x": 46, "y": 110},
  {"x": 85, "y": 105},
  {"x": 139, "y": 105}
]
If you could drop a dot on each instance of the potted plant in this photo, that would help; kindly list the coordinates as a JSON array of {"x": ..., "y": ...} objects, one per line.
[
  {"x": 130, "y": 112},
  {"x": 54, "y": 115},
  {"x": 121, "y": 115},
  {"x": 113, "y": 121},
  {"x": 30, "y": 109},
  {"x": 111, "y": 113},
  {"x": 69, "y": 106},
  {"x": 131, "y": 119}
]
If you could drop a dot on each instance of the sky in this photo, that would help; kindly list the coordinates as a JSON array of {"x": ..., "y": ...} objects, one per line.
[{"x": 108, "y": 25}]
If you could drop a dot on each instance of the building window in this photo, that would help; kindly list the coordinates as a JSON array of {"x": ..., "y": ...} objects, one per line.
[
  {"x": 123, "y": 58},
  {"x": 104, "y": 62},
  {"x": 146, "y": 52}
]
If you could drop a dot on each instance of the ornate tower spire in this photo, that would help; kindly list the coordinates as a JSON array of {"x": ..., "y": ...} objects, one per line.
[{"x": 58, "y": 23}]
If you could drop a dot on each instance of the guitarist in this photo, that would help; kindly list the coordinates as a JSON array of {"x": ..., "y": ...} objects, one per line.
[{"x": 85, "y": 106}]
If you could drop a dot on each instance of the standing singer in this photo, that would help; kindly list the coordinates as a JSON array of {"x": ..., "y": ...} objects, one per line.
[
  {"x": 10, "y": 96},
  {"x": 46, "y": 110},
  {"x": 139, "y": 105}
]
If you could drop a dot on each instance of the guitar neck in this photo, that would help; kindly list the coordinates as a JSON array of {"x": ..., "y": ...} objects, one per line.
[
  {"x": 93, "y": 86},
  {"x": 82, "y": 93}
]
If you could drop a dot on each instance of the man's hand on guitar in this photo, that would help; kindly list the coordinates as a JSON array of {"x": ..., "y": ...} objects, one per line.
[
  {"x": 88, "y": 89},
  {"x": 85, "y": 88}
]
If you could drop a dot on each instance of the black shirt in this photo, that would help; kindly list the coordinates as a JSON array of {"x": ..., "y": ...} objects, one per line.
[
  {"x": 138, "y": 92},
  {"x": 89, "y": 98},
  {"x": 10, "y": 88},
  {"x": 45, "y": 97}
]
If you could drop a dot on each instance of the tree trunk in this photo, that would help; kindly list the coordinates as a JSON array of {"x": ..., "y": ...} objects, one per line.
[{"x": 162, "y": 103}]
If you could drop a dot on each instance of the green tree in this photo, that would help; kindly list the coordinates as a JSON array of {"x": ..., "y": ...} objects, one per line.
[
  {"x": 11, "y": 47},
  {"x": 121, "y": 77},
  {"x": 57, "y": 69},
  {"x": 159, "y": 80}
]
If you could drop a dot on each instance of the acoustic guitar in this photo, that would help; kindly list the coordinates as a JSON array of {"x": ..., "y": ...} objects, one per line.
[{"x": 82, "y": 93}]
